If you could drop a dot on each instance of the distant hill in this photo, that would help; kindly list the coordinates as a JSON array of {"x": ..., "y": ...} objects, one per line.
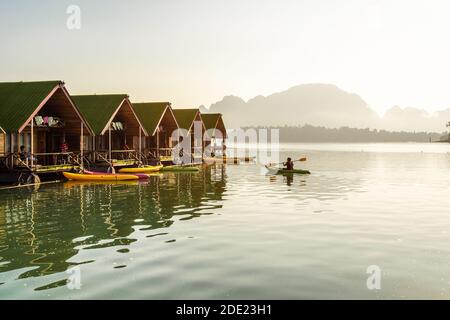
[
  {"x": 323, "y": 105},
  {"x": 412, "y": 119}
]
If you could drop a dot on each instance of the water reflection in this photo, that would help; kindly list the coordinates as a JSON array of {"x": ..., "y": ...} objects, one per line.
[{"x": 44, "y": 230}]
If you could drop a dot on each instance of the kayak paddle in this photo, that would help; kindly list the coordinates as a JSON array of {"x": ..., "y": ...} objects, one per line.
[{"x": 275, "y": 164}]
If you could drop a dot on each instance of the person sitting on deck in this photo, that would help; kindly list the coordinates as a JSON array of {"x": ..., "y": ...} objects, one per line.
[
  {"x": 22, "y": 154},
  {"x": 289, "y": 164}
]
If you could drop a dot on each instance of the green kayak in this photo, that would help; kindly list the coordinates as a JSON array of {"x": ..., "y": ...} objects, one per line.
[
  {"x": 297, "y": 171},
  {"x": 277, "y": 170},
  {"x": 180, "y": 169}
]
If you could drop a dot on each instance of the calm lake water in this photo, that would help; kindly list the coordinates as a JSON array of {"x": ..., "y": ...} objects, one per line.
[{"x": 233, "y": 232}]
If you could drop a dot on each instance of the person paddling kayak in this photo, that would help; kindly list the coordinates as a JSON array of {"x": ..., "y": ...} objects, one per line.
[{"x": 289, "y": 164}]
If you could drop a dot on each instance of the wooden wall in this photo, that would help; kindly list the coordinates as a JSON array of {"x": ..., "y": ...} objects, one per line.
[{"x": 2, "y": 143}]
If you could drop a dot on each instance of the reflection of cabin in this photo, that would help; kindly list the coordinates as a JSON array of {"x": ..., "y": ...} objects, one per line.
[
  {"x": 41, "y": 127},
  {"x": 118, "y": 132},
  {"x": 102, "y": 211},
  {"x": 190, "y": 120},
  {"x": 217, "y": 132},
  {"x": 160, "y": 123}
]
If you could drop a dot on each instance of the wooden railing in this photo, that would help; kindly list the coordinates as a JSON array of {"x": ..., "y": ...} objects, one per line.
[
  {"x": 4, "y": 161},
  {"x": 116, "y": 155},
  {"x": 54, "y": 158},
  {"x": 162, "y": 152},
  {"x": 34, "y": 161}
]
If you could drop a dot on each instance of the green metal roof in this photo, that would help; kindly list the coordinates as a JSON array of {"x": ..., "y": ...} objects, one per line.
[
  {"x": 185, "y": 117},
  {"x": 149, "y": 113},
  {"x": 210, "y": 120},
  {"x": 18, "y": 101},
  {"x": 98, "y": 109},
  {"x": 214, "y": 121}
]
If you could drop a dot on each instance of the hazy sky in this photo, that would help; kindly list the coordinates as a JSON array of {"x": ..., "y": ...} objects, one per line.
[{"x": 192, "y": 52}]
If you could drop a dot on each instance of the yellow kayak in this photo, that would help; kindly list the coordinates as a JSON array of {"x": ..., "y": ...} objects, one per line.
[
  {"x": 73, "y": 183},
  {"x": 146, "y": 169},
  {"x": 99, "y": 177}
]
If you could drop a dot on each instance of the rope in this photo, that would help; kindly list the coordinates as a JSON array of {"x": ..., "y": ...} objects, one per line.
[{"x": 29, "y": 185}]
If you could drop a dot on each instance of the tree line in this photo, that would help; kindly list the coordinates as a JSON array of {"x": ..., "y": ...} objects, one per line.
[{"x": 309, "y": 133}]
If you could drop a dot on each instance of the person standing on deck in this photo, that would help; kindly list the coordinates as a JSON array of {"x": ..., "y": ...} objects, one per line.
[{"x": 64, "y": 149}]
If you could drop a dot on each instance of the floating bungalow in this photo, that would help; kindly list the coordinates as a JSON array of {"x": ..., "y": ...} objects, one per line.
[
  {"x": 159, "y": 122},
  {"x": 117, "y": 131},
  {"x": 42, "y": 129},
  {"x": 215, "y": 127},
  {"x": 191, "y": 120}
]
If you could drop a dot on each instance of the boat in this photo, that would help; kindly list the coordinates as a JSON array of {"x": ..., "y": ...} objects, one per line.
[
  {"x": 97, "y": 176},
  {"x": 276, "y": 170},
  {"x": 296, "y": 171},
  {"x": 178, "y": 168},
  {"x": 144, "y": 169},
  {"x": 139, "y": 175}
]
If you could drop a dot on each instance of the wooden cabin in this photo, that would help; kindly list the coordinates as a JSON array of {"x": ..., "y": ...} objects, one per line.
[
  {"x": 217, "y": 132},
  {"x": 190, "y": 120},
  {"x": 118, "y": 132},
  {"x": 42, "y": 129},
  {"x": 160, "y": 123}
]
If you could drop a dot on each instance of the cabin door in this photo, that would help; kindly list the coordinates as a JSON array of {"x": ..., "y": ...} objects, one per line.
[{"x": 53, "y": 143}]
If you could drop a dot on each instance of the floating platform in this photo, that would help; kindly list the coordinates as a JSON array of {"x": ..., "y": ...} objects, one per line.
[
  {"x": 234, "y": 160},
  {"x": 179, "y": 168}
]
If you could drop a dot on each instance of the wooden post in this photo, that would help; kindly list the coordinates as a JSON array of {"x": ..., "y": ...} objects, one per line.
[
  {"x": 12, "y": 149},
  {"x": 94, "y": 148},
  {"x": 203, "y": 142},
  {"x": 223, "y": 145},
  {"x": 110, "y": 153},
  {"x": 157, "y": 143},
  {"x": 32, "y": 144},
  {"x": 82, "y": 145},
  {"x": 140, "y": 144}
]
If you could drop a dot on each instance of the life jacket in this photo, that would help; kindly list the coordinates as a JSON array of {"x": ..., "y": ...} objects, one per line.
[{"x": 290, "y": 165}]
